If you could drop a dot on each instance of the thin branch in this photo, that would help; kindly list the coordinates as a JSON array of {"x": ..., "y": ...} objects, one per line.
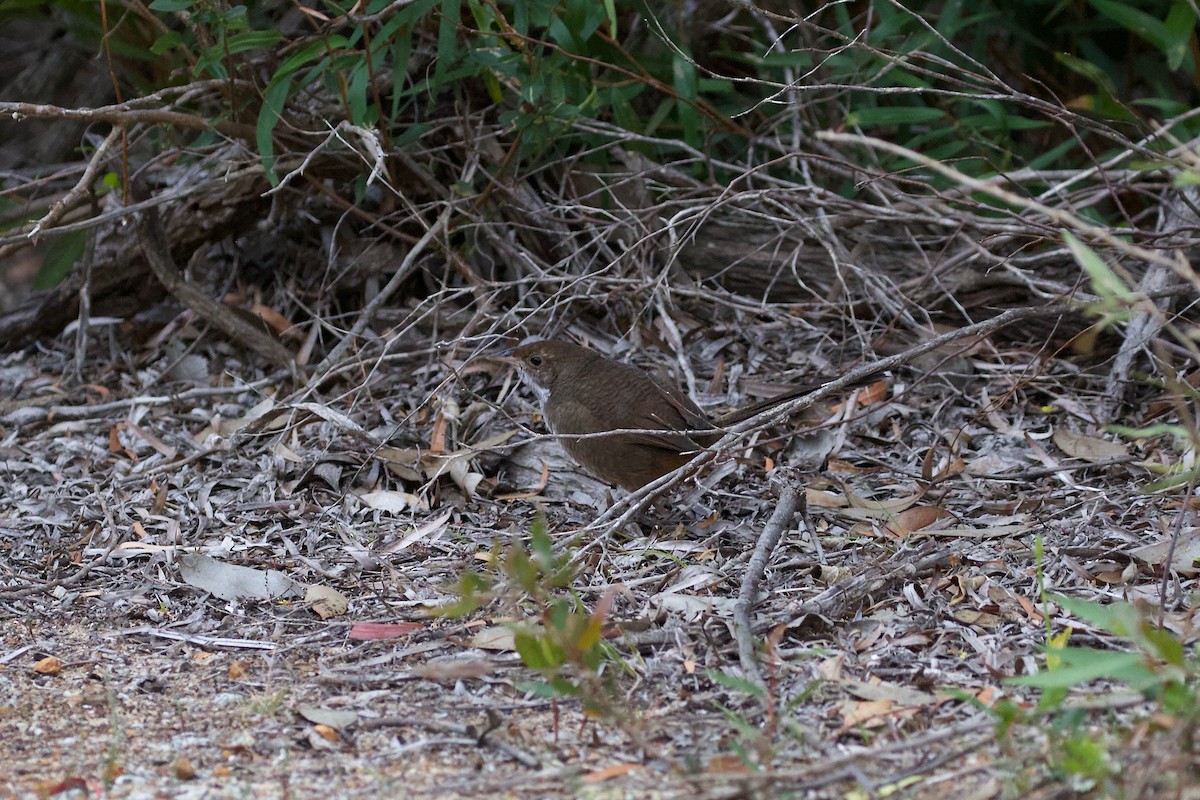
[{"x": 785, "y": 512}]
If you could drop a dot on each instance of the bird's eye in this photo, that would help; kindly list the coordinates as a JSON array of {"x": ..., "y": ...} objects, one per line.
[{"x": 535, "y": 361}]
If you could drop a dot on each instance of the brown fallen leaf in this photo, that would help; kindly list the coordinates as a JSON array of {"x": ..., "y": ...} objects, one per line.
[
  {"x": 1185, "y": 552},
  {"x": 615, "y": 771},
  {"x": 916, "y": 518},
  {"x": 727, "y": 763},
  {"x": 326, "y": 601},
  {"x": 867, "y": 713},
  {"x": 327, "y": 733},
  {"x": 981, "y": 619},
  {"x": 183, "y": 769},
  {"x": 1030, "y": 609},
  {"x": 497, "y": 637},
  {"x": 48, "y": 666},
  {"x": 878, "y": 508},
  {"x": 367, "y": 631},
  {"x": 819, "y": 499},
  {"x": 1089, "y": 448},
  {"x": 452, "y": 669},
  {"x": 114, "y": 442}
]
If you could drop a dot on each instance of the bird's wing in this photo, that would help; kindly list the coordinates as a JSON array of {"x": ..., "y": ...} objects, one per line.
[
  {"x": 678, "y": 414},
  {"x": 626, "y": 409}
]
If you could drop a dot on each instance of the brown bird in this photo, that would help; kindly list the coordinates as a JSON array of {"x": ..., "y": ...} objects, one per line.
[{"x": 583, "y": 392}]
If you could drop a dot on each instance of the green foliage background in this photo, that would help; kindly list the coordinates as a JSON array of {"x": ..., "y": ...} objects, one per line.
[{"x": 996, "y": 86}]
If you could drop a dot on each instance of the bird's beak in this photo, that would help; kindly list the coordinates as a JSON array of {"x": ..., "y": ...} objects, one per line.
[{"x": 505, "y": 356}]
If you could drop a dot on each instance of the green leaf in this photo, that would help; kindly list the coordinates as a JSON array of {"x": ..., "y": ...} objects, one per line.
[
  {"x": 538, "y": 651},
  {"x": 529, "y": 648},
  {"x": 168, "y": 41},
  {"x": 357, "y": 89},
  {"x": 1176, "y": 479},
  {"x": 738, "y": 721},
  {"x": 684, "y": 79},
  {"x": 564, "y": 687},
  {"x": 209, "y": 63},
  {"x": 447, "y": 45},
  {"x": 484, "y": 16},
  {"x": 624, "y": 113},
  {"x": 59, "y": 259},
  {"x": 899, "y": 115},
  {"x": 1117, "y": 618},
  {"x": 1086, "y": 758},
  {"x": 172, "y": 5},
  {"x": 560, "y": 616},
  {"x": 1180, "y": 26},
  {"x": 469, "y": 589},
  {"x": 1086, "y": 664},
  {"x": 538, "y": 689},
  {"x": 1165, "y": 645},
  {"x": 1179, "y": 698},
  {"x": 251, "y": 40},
  {"x": 1150, "y": 431},
  {"x": 562, "y": 35},
  {"x": 583, "y": 18},
  {"x": 401, "y": 52},
  {"x": 313, "y": 50},
  {"x": 1005, "y": 122},
  {"x": 1054, "y": 155},
  {"x": 521, "y": 570},
  {"x": 1169, "y": 37},
  {"x": 801, "y": 59},
  {"x": 540, "y": 541},
  {"x": 1166, "y": 106},
  {"x": 610, "y": 11},
  {"x": 1105, "y": 100},
  {"x": 274, "y": 100},
  {"x": 1105, "y": 282},
  {"x": 1133, "y": 20},
  {"x": 733, "y": 682}
]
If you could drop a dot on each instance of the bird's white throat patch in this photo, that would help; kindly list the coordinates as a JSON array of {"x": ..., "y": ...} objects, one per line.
[{"x": 541, "y": 392}]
